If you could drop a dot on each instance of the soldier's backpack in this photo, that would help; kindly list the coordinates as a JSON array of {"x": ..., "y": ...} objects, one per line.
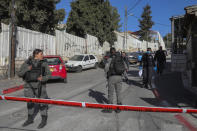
[{"x": 117, "y": 66}]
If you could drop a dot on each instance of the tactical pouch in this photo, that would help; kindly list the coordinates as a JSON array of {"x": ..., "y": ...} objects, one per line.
[{"x": 32, "y": 76}]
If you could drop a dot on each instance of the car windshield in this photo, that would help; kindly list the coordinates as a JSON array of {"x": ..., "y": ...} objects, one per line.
[
  {"x": 133, "y": 54},
  {"x": 77, "y": 58},
  {"x": 53, "y": 61}
]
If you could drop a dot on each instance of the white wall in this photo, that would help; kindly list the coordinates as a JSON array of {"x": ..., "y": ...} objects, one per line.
[
  {"x": 133, "y": 44},
  {"x": 28, "y": 40},
  {"x": 68, "y": 45},
  {"x": 62, "y": 44},
  {"x": 4, "y": 44}
]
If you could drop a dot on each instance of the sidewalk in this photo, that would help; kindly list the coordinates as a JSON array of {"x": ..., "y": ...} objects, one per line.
[
  {"x": 171, "y": 89},
  {"x": 11, "y": 85}
]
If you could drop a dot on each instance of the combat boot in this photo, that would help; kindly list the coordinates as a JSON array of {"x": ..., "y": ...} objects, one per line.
[
  {"x": 28, "y": 121},
  {"x": 118, "y": 110},
  {"x": 43, "y": 122},
  {"x": 145, "y": 86}
]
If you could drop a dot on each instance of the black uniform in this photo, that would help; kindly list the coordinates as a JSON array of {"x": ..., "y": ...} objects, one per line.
[
  {"x": 160, "y": 57},
  {"x": 125, "y": 75},
  {"x": 126, "y": 60},
  {"x": 148, "y": 65}
]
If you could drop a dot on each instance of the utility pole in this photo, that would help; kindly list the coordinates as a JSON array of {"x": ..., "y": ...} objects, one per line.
[
  {"x": 167, "y": 41},
  {"x": 86, "y": 44},
  {"x": 146, "y": 39},
  {"x": 125, "y": 28},
  {"x": 11, "y": 71}
]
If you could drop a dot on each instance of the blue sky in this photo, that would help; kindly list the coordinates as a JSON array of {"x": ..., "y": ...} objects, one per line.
[{"x": 162, "y": 10}]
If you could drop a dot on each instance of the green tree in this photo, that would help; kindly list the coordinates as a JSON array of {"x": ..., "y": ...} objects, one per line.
[
  {"x": 4, "y": 11},
  {"x": 168, "y": 40},
  {"x": 111, "y": 22},
  {"x": 146, "y": 23},
  {"x": 94, "y": 17},
  {"x": 38, "y": 15}
]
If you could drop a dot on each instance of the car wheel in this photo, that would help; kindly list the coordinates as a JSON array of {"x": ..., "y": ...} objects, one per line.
[
  {"x": 96, "y": 66},
  {"x": 79, "y": 69},
  {"x": 65, "y": 80}
]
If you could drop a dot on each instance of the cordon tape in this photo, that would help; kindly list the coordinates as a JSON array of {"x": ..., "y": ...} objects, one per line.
[{"x": 98, "y": 106}]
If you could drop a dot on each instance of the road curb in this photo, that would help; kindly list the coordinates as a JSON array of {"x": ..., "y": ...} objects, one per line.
[{"x": 12, "y": 89}]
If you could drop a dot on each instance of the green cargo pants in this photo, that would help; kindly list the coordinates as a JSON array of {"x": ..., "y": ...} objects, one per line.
[
  {"x": 114, "y": 82},
  {"x": 33, "y": 93}
]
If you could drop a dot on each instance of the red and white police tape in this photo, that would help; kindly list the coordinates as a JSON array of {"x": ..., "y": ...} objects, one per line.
[{"x": 99, "y": 106}]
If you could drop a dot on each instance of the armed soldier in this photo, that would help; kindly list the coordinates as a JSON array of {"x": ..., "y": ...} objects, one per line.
[
  {"x": 160, "y": 57},
  {"x": 148, "y": 65},
  {"x": 126, "y": 61},
  {"x": 114, "y": 69},
  {"x": 35, "y": 72}
]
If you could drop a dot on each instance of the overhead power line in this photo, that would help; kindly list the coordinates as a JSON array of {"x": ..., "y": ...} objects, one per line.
[
  {"x": 134, "y": 6},
  {"x": 154, "y": 22}
]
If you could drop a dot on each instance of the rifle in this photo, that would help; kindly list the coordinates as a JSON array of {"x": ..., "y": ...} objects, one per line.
[
  {"x": 39, "y": 89},
  {"x": 40, "y": 83}
]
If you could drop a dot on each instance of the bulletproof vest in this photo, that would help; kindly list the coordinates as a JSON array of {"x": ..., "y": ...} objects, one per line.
[
  {"x": 36, "y": 71},
  {"x": 148, "y": 60},
  {"x": 160, "y": 56}
]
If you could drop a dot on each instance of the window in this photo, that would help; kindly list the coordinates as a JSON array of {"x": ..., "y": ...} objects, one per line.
[
  {"x": 53, "y": 61},
  {"x": 92, "y": 57},
  {"x": 86, "y": 58},
  {"x": 77, "y": 58}
]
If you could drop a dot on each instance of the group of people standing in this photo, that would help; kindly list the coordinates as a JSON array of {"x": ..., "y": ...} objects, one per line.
[
  {"x": 35, "y": 72},
  {"x": 117, "y": 67},
  {"x": 150, "y": 64}
]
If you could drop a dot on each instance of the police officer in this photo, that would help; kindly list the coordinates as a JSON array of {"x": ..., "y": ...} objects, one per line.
[
  {"x": 125, "y": 58},
  {"x": 114, "y": 79},
  {"x": 160, "y": 57},
  {"x": 148, "y": 65},
  {"x": 35, "y": 72},
  {"x": 126, "y": 61}
]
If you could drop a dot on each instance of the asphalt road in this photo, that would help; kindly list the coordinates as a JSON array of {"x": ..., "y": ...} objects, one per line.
[{"x": 90, "y": 86}]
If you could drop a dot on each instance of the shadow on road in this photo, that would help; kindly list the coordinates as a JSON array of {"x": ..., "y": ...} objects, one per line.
[
  {"x": 14, "y": 129},
  {"x": 133, "y": 73},
  {"x": 54, "y": 81},
  {"x": 152, "y": 101},
  {"x": 135, "y": 83},
  {"x": 98, "y": 96},
  {"x": 170, "y": 89}
]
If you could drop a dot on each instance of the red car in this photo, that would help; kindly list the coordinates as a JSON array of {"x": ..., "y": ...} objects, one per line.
[{"x": 57, "y": 67}]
